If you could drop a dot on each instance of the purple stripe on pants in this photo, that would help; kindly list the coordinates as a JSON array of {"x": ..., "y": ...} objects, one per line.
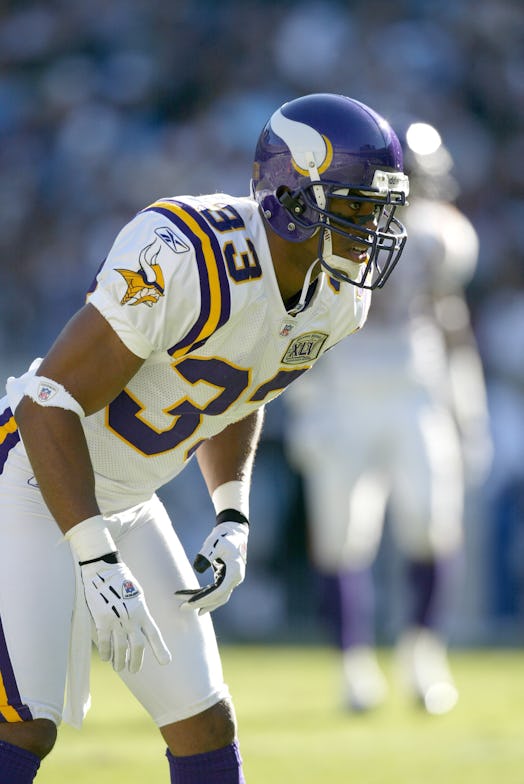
[
  {"x": 14, "y": 710},
  {"x": 8, "y": 439}
]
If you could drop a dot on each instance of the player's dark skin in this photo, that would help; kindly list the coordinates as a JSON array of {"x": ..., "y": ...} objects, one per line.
[{"x": 93, "y": 364}]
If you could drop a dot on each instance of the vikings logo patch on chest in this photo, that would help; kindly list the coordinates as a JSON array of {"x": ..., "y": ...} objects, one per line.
[{"x": 304, "y": 348}]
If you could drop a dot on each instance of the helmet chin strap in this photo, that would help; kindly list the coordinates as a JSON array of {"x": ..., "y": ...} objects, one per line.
[
  {"x": 303, "y": 294},
  {"x": 351, "y": 268},
  {"x": 320, "y": 198}
]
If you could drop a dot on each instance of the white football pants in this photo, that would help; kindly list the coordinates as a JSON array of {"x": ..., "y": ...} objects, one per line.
[{"x": 37, "y": 591}]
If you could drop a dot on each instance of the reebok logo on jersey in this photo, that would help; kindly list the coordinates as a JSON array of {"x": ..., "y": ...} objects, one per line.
[
  {"x": 171, "y": 239},
  {"x": 304, "y": 348},
  {"x": 129, "y": 590}
]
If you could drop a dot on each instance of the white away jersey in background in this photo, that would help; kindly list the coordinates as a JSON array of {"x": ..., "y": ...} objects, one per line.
[{"x": 189, "y": 285}]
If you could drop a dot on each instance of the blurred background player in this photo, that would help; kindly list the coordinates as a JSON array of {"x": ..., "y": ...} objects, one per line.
[{"x": 393, "y": 425}]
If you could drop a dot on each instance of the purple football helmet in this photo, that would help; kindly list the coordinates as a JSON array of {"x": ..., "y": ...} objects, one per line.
[{"x": 322, "y": 147}]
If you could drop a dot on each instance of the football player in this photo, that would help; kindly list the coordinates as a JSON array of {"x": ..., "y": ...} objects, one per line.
[
  {"x": 204, "y": 310},
  {"x": 393, "y": 420}
]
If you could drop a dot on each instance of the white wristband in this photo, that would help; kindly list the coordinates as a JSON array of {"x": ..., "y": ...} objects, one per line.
[
  {"x": 90, "y": 539},
  {"x": 232, "y": 495}
]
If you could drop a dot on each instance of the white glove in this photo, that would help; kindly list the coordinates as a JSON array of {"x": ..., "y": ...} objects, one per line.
[
  {"x": 121, "y": 617},
  {"x": 225, "y": 549},
  {"x": 115, "y": 600}
]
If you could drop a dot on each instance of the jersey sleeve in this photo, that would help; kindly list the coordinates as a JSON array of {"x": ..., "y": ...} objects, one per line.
[{"x": 155, "y": 290}]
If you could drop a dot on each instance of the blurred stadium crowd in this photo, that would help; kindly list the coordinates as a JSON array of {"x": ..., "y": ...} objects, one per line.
[{"x": 107, "y": 106}]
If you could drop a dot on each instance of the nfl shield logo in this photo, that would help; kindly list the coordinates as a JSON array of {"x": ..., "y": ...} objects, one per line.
[
  {"x": 129, "y": 590},
  {"x": 45, "y": 392},
  {"x": 285, "y": 328}
]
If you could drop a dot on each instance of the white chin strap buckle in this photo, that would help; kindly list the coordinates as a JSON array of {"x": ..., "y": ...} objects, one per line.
[{"x": 357, "y": 272}]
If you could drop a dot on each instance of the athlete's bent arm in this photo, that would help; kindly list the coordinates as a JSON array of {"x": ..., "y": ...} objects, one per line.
[
  {"x": 92, "y": 364},
  {"x": 226, "y": 462},
  {"x": 230, "y": 455}
]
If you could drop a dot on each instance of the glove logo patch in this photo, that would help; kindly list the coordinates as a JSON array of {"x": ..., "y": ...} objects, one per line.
[{"x": 129, "y": 590}]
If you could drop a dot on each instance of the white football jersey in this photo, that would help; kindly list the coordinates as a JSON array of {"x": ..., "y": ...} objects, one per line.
[{"x": 189, "y": 285}]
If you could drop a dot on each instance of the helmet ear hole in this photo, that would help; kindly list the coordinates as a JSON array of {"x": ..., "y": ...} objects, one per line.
[
  {"x": 281, "y": 191},
  {"x": 292, "y": 202}
]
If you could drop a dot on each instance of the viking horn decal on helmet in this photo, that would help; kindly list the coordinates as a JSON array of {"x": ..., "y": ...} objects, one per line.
[
  {"x": 147, "y": 266},
  {"x": 301, "y": 138}
]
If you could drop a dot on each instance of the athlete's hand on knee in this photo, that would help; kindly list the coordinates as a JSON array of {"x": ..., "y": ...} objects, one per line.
[
  {"x": 225, "y": 550},
  {"x": 115, "y": 599},
  {"x": 120, "y": 614}
]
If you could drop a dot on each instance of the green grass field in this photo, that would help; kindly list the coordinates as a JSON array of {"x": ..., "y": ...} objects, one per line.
[{"x": 292, "y": 730}]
